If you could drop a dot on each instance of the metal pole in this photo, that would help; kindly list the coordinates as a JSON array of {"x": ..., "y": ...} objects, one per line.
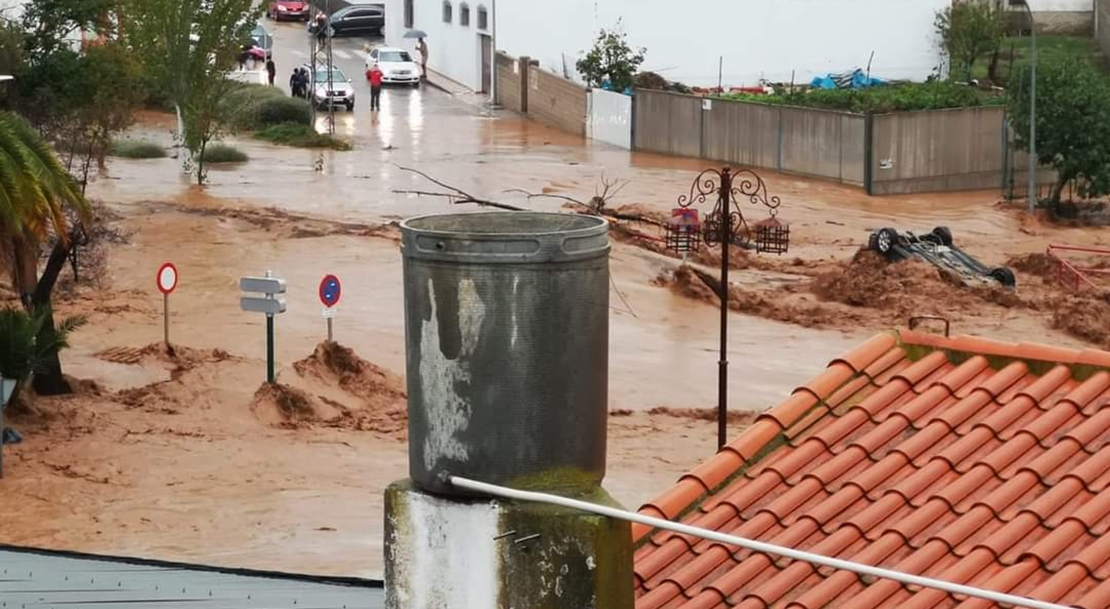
[
  {"x": 751, "y": 544},
  {"x": 166, "y": 319},
  {"x": 270, "y": 348},
  {"x": 493, "y": 55},
  {"x": 269, "y": 340},
  {"x": 722, "y": 364},
  {"x": 1032, "y": 112},
  {"x": 330, "y": 340}
]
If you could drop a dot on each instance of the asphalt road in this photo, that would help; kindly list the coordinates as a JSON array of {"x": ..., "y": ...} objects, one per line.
[{"x": 291, "y": 49}]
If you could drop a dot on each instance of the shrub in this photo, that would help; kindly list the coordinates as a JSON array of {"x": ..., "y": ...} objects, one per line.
[
  {"x": 23, "y": 350},
  {"x": 302, "y": 136},
  {"x": 889, "y": 98},
  {"x": 257, "y": 107},
  {"x": 222, "y": 153},
  {"x": 137, "y": 149}
]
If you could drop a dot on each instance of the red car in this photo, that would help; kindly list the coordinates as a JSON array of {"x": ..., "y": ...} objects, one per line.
[{"x": 295, "y": 10}]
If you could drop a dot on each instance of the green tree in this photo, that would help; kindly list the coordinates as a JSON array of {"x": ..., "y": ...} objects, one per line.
[
  {"x": 50, "y": 25},
  {"x": 969, "y": 30},
  {"x": 35, "y": 194},
  {"x": 611, "y": 58},
  {"x": 1073, "y": 123},
  {"x": 189, "y": 48}
]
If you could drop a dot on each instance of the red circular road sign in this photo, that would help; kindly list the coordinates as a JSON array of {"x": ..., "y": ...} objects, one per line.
[
  {"x": 330, "y": 290},
  {"x": 167, "y": 278}
]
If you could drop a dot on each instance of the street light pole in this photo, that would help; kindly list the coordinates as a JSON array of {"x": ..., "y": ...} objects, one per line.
[
  {"x": 725, "y": 225},
  {"x": 1032, "y": 110}
]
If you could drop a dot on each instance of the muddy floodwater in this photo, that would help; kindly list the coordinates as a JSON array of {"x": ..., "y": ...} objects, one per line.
[{"x": 186, "y": 456}]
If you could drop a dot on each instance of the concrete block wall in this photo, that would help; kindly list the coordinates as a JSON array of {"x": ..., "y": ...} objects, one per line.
[
  {"x": 556, "y": 101},
  {"x": 509, "y": 83},
  {"x": 1102, "y": 26},
  {"x": 522, "y": 86}
]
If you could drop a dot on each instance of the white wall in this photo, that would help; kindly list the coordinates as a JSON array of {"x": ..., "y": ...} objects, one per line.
[
  {"x": 758, "y": 38},
  {"x": 1046, "y": 6},
  {"x": 454, "y": 50}
]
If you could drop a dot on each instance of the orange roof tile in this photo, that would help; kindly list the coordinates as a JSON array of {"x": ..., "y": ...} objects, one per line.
[{"x": 964, "y": 459}]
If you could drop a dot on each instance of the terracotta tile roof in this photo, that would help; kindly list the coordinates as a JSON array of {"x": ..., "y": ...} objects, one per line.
[{"x": 963, "y": 459}]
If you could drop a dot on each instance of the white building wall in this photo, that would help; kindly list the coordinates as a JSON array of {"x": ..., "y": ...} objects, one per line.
[
  {"x": 757, "y": 38},
  {"x": 454, "y": 50},
  {"x": 1046, "y": 6}
]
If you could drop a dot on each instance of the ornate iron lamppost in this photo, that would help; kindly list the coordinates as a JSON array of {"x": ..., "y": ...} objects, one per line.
[{"x": 726, "y": 225}]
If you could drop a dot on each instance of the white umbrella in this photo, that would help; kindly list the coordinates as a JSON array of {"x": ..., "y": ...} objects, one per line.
[{"x": 416, "y": 34}]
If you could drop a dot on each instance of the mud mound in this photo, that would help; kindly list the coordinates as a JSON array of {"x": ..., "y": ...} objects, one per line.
[
  {"x": 703, "y": 414},
  {"x": 777, "y": 305},
  {"x": 335, "y": 388},
  {"x": 870, "y": 281},
  {"x": 334, "y": 362},
  {"x": 1084, "y": 317},
  {"x": 1035, "y": 263},
  {"x": 293, "y": 407}
]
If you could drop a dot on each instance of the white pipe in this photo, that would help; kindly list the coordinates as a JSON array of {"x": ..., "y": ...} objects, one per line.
[{"x": 755, "y": 546}]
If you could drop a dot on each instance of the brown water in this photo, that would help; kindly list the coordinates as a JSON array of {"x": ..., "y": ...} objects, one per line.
[{"x": 190, "y": 473}]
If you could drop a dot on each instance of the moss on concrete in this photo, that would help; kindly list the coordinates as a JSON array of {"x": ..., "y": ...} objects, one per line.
[
  {"x": 578, "y": 560},
  {"x": 565, "y": 481}
]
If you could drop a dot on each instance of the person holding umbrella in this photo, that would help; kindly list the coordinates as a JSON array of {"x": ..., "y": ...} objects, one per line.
[{"x": 422, "y": 48}]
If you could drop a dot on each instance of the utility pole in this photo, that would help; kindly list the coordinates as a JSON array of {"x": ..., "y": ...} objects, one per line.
[
  {"x": 1032, "y": 110},
  {"x": 320, "y": 58}
]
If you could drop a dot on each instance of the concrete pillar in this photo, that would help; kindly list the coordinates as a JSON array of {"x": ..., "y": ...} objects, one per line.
[
  {"x": 485, "y": 402},
  {"x": 486, "y": 554},
  {"x": 525, "y": 65}
]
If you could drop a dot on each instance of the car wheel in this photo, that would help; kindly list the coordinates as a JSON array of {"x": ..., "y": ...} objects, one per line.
[
  {"x": 350, "y": 106},
  {"x": 1004, "y": 276},
  {"x": 882, "y": 240},
  {"x": 943, "y": 235}
]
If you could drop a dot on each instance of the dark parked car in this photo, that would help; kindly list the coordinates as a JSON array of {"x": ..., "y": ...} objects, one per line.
[{"x": 358, "y": 19}]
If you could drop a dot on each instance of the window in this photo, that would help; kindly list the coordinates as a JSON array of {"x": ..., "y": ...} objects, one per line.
[
  {"x": 409, "y": 14},
  {"x": 464, "y": 14},
  {"x": 395, "y": 57},
  {"x": 447, "y": 16},
  {"x": 483, "y": 18}
]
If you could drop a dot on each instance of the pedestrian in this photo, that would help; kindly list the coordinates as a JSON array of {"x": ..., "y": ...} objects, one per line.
[
  {"x": 423, "y": 48},
  {"x": 375, "y": 78},
  {"x": 271, "y": 70},
  {"x": 244, "y": 55}
]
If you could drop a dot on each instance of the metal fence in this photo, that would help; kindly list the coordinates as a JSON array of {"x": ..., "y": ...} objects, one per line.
[
  {"x": 898, "y": 153},
  {"x": 804, "y": 141}
]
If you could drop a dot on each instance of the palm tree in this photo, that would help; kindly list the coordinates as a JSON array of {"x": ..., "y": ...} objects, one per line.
[{"x": 35, "y": 194}]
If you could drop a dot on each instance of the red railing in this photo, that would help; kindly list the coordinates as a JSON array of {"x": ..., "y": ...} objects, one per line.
[{"x": 1070, "y": 273}]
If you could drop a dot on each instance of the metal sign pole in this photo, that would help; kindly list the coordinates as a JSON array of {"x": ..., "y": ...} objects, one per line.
[
  {"x": 330, "y": 339},
  {"x": 269, "y": 304},
  {"x": 270, "y": 348},
  {"x": 166, "y": 319},
  {"x": 269, "y": 340}
]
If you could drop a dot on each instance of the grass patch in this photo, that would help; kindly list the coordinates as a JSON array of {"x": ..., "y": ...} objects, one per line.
[
  {"x": 257, "y": 107},
  {"x": 222, "y": 153},
  {"x": 1018, "y": 50},
  {"x": 301, "y": 136},
  {"x": 891, "y": 98},
  {"x": 138, "y": 149}
]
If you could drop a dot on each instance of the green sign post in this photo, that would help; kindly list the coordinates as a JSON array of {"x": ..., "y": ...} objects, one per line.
[{"x": 269, "y": 303}]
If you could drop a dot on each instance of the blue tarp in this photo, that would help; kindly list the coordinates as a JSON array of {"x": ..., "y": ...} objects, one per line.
[{"x": 856, "y": 79}]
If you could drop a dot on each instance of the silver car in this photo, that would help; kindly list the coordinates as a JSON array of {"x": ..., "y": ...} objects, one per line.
[{"x": 341, "y": 93}]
